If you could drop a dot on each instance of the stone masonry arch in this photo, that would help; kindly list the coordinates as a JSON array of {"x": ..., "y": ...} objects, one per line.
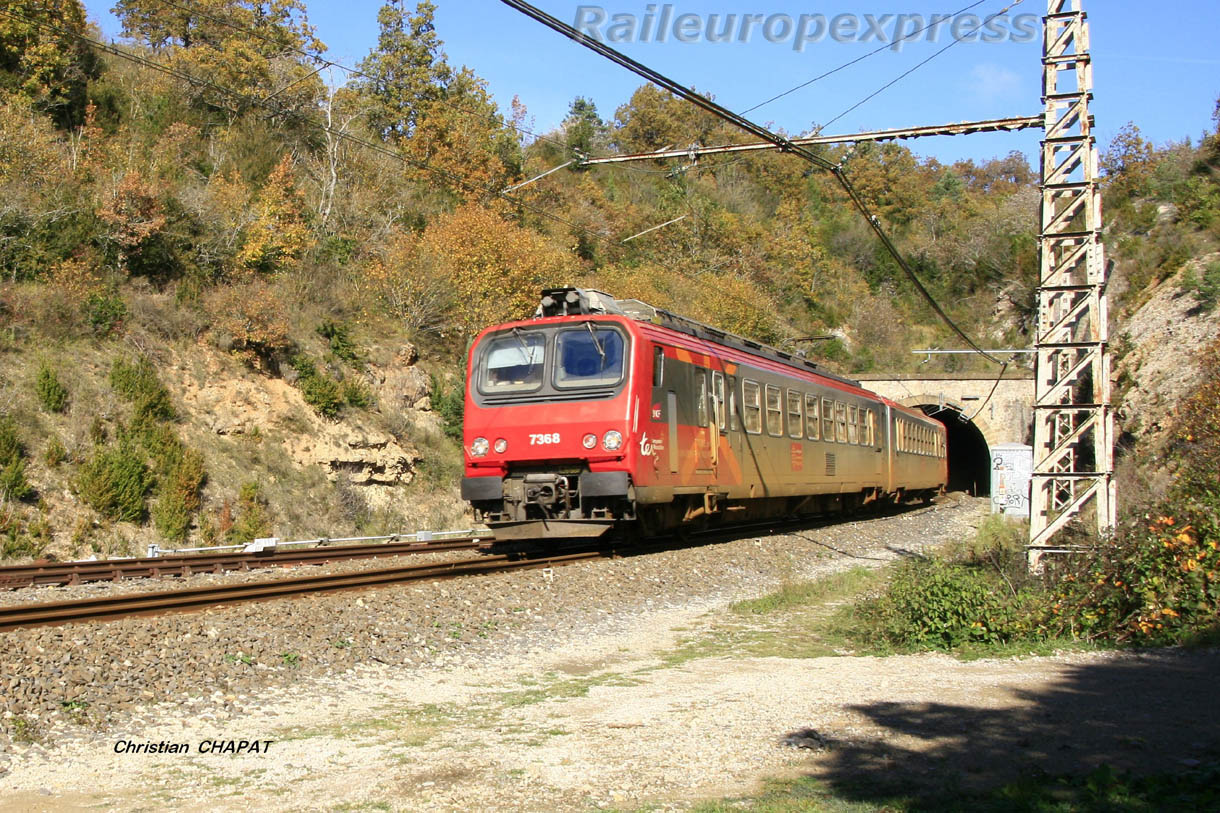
[{"x": 978, "y": 413}]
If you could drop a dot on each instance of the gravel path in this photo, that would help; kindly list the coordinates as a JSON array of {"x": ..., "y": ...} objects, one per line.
[{"x": 521, "y": 691}]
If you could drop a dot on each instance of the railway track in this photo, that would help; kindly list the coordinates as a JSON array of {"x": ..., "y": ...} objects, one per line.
[
  {"x": 65, "y": 573},
  {"x": 112, "y": 607}
]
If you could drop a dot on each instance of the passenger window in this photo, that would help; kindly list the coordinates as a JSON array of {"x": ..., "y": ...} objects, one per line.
[
  {"x": 853, "y": 426},
  {"x": 870, "y": 426},
  {"x": 840, "y": 422},
  {"x": 718, "y": 399},
  {"x": 751, "y": 407},
  {"x": 775, "y": 412},
  {"x": 701, "y": 404},
  {"x": 828, "y": 420},
  {"x": 796, "y": 415},
  {"x": 811, "y": 417}
]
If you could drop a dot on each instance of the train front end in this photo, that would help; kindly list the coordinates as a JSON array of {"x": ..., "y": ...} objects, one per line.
[{"x": 550, "y": 415}]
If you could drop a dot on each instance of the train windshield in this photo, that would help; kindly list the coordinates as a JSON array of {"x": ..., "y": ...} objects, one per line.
[
  {"x": 513, "y": 362},
  {"x": 588, "y": 357}
]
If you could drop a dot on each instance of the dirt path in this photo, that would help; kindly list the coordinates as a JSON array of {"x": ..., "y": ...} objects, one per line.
[{"x": 610, "y": 722}]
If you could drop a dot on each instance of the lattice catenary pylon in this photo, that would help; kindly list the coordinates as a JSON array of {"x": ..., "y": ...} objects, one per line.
[{"x": 1073, "y": 424}]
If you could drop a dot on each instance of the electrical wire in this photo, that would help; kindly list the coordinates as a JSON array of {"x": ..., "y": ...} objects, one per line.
[
  {"x": 845, "y": 65},
  {"x": 760, "y": 132},
  {"x": 912, "y": 70},
  {"x": 994, "y": 387}
]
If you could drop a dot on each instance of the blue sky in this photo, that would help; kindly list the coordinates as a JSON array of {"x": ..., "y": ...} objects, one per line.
[{"x": 1161, "y": 72}]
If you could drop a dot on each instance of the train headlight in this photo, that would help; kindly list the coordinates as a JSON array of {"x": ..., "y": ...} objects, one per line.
[
  {"x": 613, "y": 441},
  {"x": 589, "y": 440},
  {"x": 501, "y": 446},
  {"x": 479, "y": 447}
]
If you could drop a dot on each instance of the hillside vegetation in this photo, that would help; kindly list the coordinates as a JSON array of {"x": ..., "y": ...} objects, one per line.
[{"x": 237, "y": 291}]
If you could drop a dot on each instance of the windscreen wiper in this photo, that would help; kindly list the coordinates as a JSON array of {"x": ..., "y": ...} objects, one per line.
[
  {"x": 527, "y": 352},
  {"x": 596, "y": 343}
]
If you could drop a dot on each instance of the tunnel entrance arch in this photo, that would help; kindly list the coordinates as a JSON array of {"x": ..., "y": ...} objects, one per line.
[{"x": 969, "y": 452}]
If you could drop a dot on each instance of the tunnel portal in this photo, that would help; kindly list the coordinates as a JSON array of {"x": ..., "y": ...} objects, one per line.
[{"x": 969, "y": 455}]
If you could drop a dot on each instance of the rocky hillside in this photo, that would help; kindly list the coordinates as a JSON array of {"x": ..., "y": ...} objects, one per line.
[{"x": 274, "y": 456}]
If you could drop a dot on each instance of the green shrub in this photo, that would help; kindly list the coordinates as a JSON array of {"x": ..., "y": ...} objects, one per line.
[
  {"x": 356, "y": 394},
  {"x": 179, "y": 483},
  {"x": 19, "y": 539},
  {"x": 13, "y": 484},
  {"x": 10, "y": 445},
  {"x": 1205, "y": 288},
  {"x": 253, "y": 520},
  {"x": 340, "y": 341},
  {"x": 55, "y": 453},
  {"x": 105, "y": 312},
  {"x": 51, "y": 393},
  {"x": 449, "y": 403},
  {"x": 319, "y": 390},
  {"x": 115, "y": 482},
  {"x": 137, "y": 383},
  {"x": 933, "y": 604}
]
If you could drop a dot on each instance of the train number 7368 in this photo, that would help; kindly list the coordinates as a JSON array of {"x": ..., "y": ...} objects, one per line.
[{"x": 546, "y": 439}]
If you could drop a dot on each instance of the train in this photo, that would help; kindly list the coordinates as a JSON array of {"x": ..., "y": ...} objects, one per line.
[{"x": 601, "y": 413}]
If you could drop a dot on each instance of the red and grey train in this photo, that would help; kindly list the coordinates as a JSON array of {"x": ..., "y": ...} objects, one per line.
[{"x": 600, "y": 412}]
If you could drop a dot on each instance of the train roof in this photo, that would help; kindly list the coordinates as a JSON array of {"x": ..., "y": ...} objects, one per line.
[{"x": 586, "y": 302}]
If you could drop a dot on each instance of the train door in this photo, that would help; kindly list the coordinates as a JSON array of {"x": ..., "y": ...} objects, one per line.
[
  {"x": 718, "y": 417},
  {"x": 671, "y": 412},
  {"x": 888, "y": 455},
  {"x": 872, "y": 439},
  {"x": 705, "y": 431}
]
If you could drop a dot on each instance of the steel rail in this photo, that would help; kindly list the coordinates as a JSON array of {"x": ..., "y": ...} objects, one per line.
[
  {"x": 114, "y": 607},
  {"x": 65, "y": 573}
]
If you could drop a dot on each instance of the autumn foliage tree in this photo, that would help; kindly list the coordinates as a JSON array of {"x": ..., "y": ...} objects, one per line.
[
  {"x": 42, "y": 59},
  {"x": 251, "y": 47},
  {"x": 494, "y": 267},
  {"x": 135, "y": 216},
  {"x": 278, "y": 234}
]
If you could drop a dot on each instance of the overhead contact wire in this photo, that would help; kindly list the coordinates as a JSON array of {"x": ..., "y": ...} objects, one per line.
[
  {"x": 912, "y": 70},
  {"x": 758, "y": 131},
  {"x": 846, "y": 65}
]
